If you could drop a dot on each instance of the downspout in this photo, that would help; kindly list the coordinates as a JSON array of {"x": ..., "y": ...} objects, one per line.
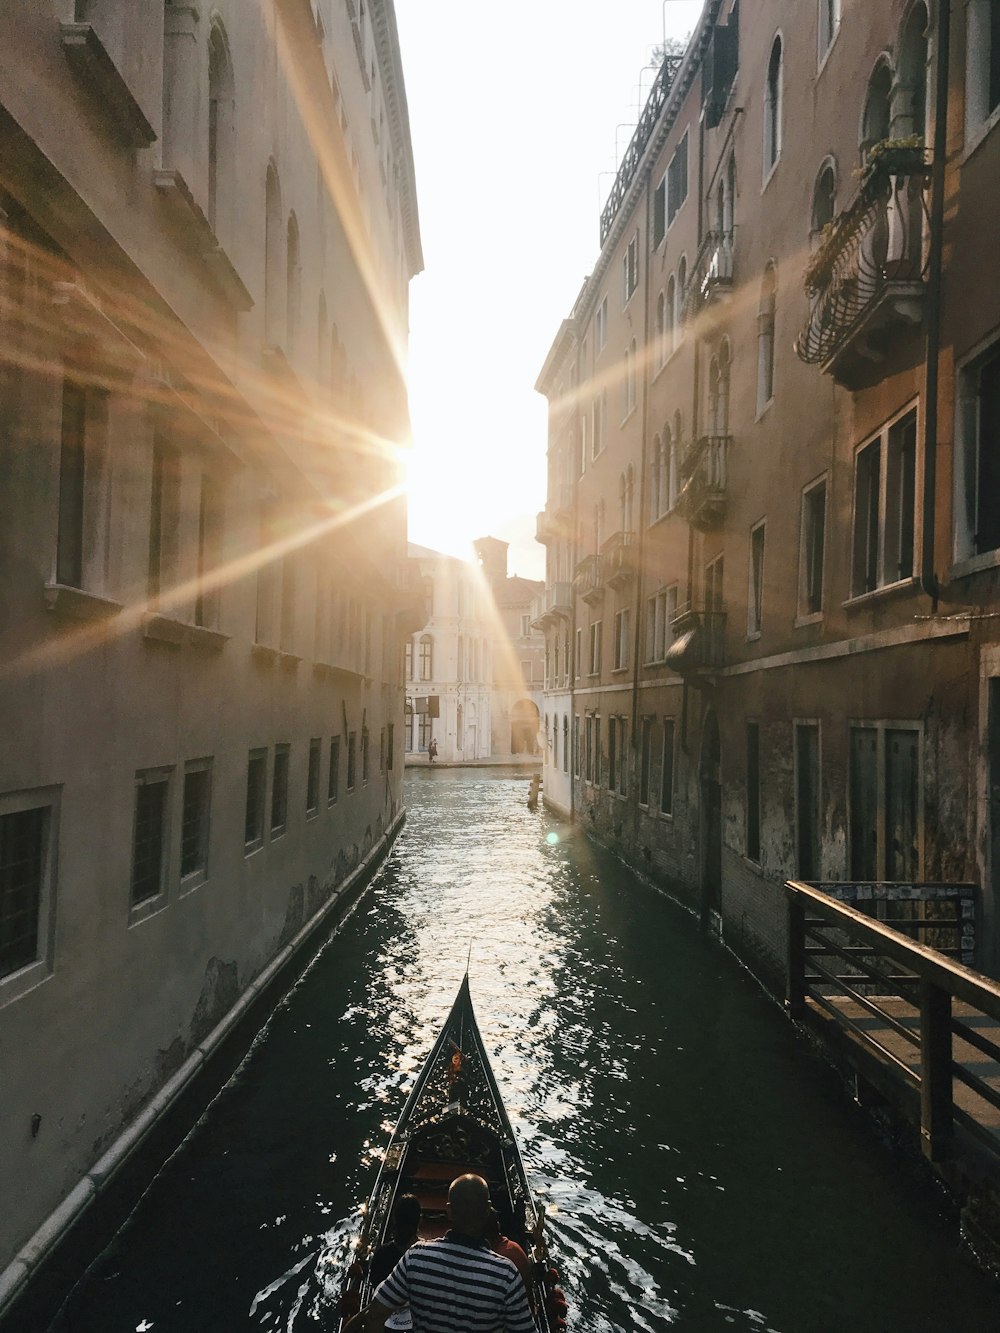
[{"x": 928, "y": 579}]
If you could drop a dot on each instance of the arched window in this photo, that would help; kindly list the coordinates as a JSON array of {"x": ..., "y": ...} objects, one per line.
[
  {"x": 221, "y": 133},
  {"x": 274, "y": 266},
  {"x": 661, "y": 351},
  {"x": 876, "y": 123},
  {"x": 656, "y": 480},
  {"x": 765, "y": 338},
  {"x": 293, "y": 284},
  {"x": 426, "y": 657},
  {"x": 669, "y": 316},
  {"x": 824, "y": 197},
  {"x": 627, "y": 493},
  {"x": 772, "y": 108},
  {"x": 673, "y": 465},
  {"x": 682, "y": 271}
]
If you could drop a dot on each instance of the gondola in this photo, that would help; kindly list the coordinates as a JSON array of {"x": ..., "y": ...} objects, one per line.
[{"x": 454, "y": 1122}]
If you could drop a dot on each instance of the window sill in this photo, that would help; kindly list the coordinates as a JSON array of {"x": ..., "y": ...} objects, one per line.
[
  {"x": 76, "y": 604},
  {"x": 980, "y": 135},
  {"x": 619, "y": 670},
  {"x": 627, "y": 417},
  {"x": 666, "y": 815},
  {"x": 279, "y": 832},
  {"x": 252, "y": 848},
  {"x": 265, "y": 654},
  {"x": 864, "y": 599},
  {"x": 201, "y": 636},
  {"x": 93, "y": 66},
  {"x": 975, "y": 564},
  {"x": 149, "y": 907},
  {"x": 764, "y": 409},
  {"x": 289, "y": 661},
  {"x": 811, "y": 618},
  {"x": 193, "y": 881},
  {"x": 769, "y": 176},
  {"x": 25, "y": 979},
  {"x": 753, "y": 635}
]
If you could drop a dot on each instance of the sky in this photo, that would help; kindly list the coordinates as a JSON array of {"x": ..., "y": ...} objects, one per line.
[{"x": 519, "y": 114}]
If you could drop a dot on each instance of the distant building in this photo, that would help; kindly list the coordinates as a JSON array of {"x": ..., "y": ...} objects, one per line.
[
  {"x": 772, "y": 523},
  {"x": 474, "y": 671},
  {"x": 209, "y": 224}
]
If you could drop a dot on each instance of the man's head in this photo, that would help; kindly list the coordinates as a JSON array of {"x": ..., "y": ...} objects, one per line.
[
  {"x": 406, "y": 1216},
  {"x": 469, "y": 1205}
]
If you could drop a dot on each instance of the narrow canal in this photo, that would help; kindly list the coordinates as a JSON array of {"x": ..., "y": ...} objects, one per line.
[{"x": 702, "y": 1173}]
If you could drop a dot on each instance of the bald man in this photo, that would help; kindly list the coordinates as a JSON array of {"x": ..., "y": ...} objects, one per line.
[{"x": 455, "y": 1284}]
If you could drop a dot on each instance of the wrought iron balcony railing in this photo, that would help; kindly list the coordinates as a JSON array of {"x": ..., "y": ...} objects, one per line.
[
  {"x": 866, "y": 280},
  {"x": 618, "y": 559},
  {"x": 702, "y": 497},
  {"x": 711, "y": 277},
  {"x": 699, "y": 639},
  {"x": 587, "y": 580},
  {"x": 640, "y": 138}
]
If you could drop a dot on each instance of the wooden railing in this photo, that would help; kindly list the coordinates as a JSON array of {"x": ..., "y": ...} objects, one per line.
[{"x": 924, "y": 1016}]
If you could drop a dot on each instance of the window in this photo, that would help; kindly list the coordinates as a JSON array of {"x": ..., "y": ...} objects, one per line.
[
  {"x": 765, "y": 338},
  {"x": 753, "y": 792},
  {"x": 279, "y": 791},
  {"x": 617, "y": 754},
  {"x": 293, "y": 284},
  {"x": 659, "y": 212},
  {"x": 82, "y": 514},
  {"x": 661, "y": 609},
  {"x": 576, "y": 745},
  {"x": 565, "y": 753},
  {"x": 977, "y": 526},
  {"x": 333, "y": 777},
  {"x": 669, "y": 317},
  {"x": 667, "y": 768},
  {"x": 677, "y": 179},
  {"x": 876, "y": 122},
  {"x": 579, "y": 652},
  {"x": 807, "y": 800},
  {"x": 426, "y": 657},
  {"x": 884, "y": 802},
  {"x": 221, "y": 132},
  {"x": 645, "y": 758},
  {"x": 164, "y": 519},
  {"x": 525, "y": 621},
  {"x": 364, "y": 755},
  {"x": 209, "y": 534},
  {"x": 679, "y": 290},
  {"x": 659, "y": 334},
  {"x": 273, "y": 259},
  {"x": 288, "y": 573},
  {"x": 408, "y": 660},
  {"x": 884, "y": 498},
  {"x": 599, "y": 413},
  {"x": 196, "y": 808},
  {"x": 829, "y": 22},
  {"x": 630, "y": 268},
  {"x": 811, "y": 550},
  {"x": 595, "y": 648},
  {"x": 352, "y": 756},
  {"x": 756, "y": 591},
  {"x": 149, "y": 834},
  {"x": 772, "y": 109},
  {"x": 253, "y": 835},
  {"x": 982, "y": 75},
  {"x": 312, "y": 777},
  {"x": 25, "y": 895},
  {"x": 588, "y": 755},
  {"x": 423, "y": 731},
  {"x": 597, "y": 750},
  {"x": 824, "y": 207},
  {"x": 622, "y": 622},
  {"x": 601, "y": 326}
]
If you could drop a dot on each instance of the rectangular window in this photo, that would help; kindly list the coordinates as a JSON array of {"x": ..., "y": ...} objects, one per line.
[
  {"x": 576, "y": 745},
  {"x": 677, "y": 179},
  {"x": 659, "y": 212},
  {"x": 623, "y": 620},
  {"x": 980, "y": 431},
  {"x": 884, "y": 500},
  {"x": 811, "y": 550},
  {"x": 164, "y": 518},
  {"x": 209, "y": 543},
  {"x": 645, "y": 759},
  {"x": 352, "y": 756},
  {"x": 23, "y": 839},
  {"x": 312, "y": 778},
  {"x": 884, "y": 802},
  {"x": 620, "y": 782},
  {"x": 565, "y": 756},
  {"x": 863, "y": 804},
  {"x": 279, "y": 791},
  {"x": 598, "y": 409},
  {"x": 601, "y": 326},
  {"x": 807, "y": 800},
  {"x": 364, "y": 754},
  {"x": 630, "y": 268},
  {"x": 333, "y": 777},
  {"x": 195, "y": 814},
  {"x": 595, "y": 648},
  {"x": 256, "y": 794},
  {"x": 612, "y": 753},
  {"x": 149, "y": 834},
  {"x": 588, "y": 754},
  {"x": 900, "y": 492},
  {"x": 72, "y": 485},
  {"x": 867, "y": 476},
  {"x": 597, "y": 750},
  {"x": 667, "y": 768},
  {"x": 753, "y": 792},
  {"x": 756, "y": 590}
]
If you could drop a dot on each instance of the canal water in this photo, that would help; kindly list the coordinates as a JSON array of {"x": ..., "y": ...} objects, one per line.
[{"x": 701, "y": 1170}]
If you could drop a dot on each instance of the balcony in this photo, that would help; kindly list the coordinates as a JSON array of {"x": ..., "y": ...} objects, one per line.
[
  {"x": 587, "y": 580},
  {"x": 543, "y": 528},
  {"x": 702, "y": 498},
  {"x": 699, "y": 640},
  {"x": 618, "y": 559},
  {"x": 711, "y": 280},
  {"x": 557, "y": 605},
  {"x": 866, "y": 280}
]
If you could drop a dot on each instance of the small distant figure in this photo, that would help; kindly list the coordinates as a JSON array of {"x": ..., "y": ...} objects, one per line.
[
  {"x": 536, "y": 783},
  {"x": 405, "y": 1229},
  {"x": 432, "y": 751}
]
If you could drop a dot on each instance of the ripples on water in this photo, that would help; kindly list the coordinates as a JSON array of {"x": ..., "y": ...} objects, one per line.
[{"x": 700, "y": 1172}]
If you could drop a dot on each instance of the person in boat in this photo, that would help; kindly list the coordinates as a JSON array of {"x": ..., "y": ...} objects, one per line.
[
  {"x": 405, "y": 1228},
  {"x": 455, "y": 1284},
  {"x": 501, "y": 1244}
]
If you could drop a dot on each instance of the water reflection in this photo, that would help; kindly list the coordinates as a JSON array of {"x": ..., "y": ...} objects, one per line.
[{"x": 699, "y": 1172}]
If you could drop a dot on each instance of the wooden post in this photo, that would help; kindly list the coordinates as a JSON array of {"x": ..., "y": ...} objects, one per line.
[
  {"x": 935, "y": 1071},
  {"x": 795, "y": 971}
]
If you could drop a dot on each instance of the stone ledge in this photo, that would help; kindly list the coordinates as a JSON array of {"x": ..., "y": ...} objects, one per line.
[
  {"x": 90, "y": 62},
  {"x": 178, "y": 633},
  {"x": 77, "y": 604}
]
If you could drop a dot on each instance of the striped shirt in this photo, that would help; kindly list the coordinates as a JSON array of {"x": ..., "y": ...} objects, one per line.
[{"x": 457, "y": 1285}]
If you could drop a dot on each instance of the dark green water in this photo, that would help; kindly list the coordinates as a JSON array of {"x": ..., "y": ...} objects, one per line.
[{"x": 702, "y": 1172}]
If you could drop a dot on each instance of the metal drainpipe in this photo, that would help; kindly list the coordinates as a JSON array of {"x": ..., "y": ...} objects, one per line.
[{"x": 928, "y": 579}]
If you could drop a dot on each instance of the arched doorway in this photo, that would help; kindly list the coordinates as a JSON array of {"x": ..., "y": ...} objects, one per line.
[
  {"x": 524, "y": 720},
  {"x": 709, "y": 776}
]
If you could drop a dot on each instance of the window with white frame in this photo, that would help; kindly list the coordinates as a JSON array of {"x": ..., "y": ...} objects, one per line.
[
  {"x": 630, "y": 268},
  {"x": 812, "y": 545},
  {"x": 595, "y": 648},
  {"x": 885, "y": 817},
  {"x": 982, "y": 64},
  {"x": 579, "y": 653},
  {"x": 623, "y": 620},
  {"x": 426, "y": 649},
  {"x": 588, "y": 748},
  {"x": 772, "y": 108},
  {"x": 755, "y": 597},
  {"x": 598, "y": 409},
  {"x": 977, "y": 476},
  {"x": 27, "y": 842},
  {"x": 618, "y": 755},
  {"x": 884, "y": 498},
  {"x": 661, "y": 609},
  {"x": 601, "y": 326},
  {"x": 677, "y": 179},
  {"x": 253, "y": 835}
]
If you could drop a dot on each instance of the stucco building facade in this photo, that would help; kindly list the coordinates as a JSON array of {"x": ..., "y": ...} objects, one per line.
[
  {"x": 770, "y": 523},
  {"x": 209, "y": 226}
]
